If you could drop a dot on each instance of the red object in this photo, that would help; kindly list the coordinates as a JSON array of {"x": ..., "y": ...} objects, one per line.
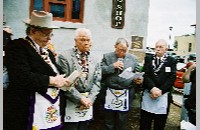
[{"x": 178, "y": 82}]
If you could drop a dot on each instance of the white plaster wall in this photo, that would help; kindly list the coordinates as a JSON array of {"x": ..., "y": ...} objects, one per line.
[
  {"x": 15, "y": 11},
  {"x": 97, "y": 18}
]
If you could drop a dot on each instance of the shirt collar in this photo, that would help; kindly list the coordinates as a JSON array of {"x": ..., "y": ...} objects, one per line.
[
  {"x": 79, "y": 52},
  {"x": 37, "y": 47}
]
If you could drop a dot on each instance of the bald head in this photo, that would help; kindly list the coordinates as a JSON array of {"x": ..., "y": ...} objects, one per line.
[
  {"x": 161, "y": 47},
  {"x": 163, "y": 42}
]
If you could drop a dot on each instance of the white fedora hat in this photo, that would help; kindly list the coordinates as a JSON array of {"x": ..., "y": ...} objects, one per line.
[{"x": 41, "y": 19}]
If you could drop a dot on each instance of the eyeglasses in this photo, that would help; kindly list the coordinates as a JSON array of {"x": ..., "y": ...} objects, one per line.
[
  {"x": 46, "y": 34},
  {"x": 121, "y": 50}
]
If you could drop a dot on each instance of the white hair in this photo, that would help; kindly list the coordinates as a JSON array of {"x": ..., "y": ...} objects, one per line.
[
  {"x": 163, "y": 41},
  {"x": 81, "y": 31},
  {"x": 122, "y": 41}
]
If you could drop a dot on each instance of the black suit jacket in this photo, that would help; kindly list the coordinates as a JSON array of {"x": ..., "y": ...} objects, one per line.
[
  {"x": 164, "y": 80},
  {"x": 28, "y": 73}
]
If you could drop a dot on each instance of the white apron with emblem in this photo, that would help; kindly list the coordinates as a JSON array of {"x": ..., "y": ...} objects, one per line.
[
  {"x": 117, "y": 99},
  {"x": 157, "y": 106},
  {"x": 46, "y": 115},
  {"x": 73, "y": 114}
]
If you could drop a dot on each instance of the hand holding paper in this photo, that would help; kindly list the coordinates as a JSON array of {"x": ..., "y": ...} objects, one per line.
[
  {"x": 72, "y": 78},
  {"x": 127, "y": 74}
]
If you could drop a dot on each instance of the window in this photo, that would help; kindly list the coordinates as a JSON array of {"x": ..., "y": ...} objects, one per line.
[
  {"x": 176, "y": 45},
  {"x": 62, "y": 10},
  {"x": 190, "y": 47}
]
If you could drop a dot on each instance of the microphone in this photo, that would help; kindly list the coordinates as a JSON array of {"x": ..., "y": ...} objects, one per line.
[
  {"x": 120, "y": 69},
  {"x": 120, "y": 59}
]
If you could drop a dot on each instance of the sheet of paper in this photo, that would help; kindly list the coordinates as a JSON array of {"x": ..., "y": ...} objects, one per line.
[
  {"x": 72, "y": 78},
  {"x": 127, "y": 74}
]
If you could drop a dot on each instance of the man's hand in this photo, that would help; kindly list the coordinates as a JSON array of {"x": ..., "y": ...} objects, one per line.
[
  {"x": 119, "y": 65},
  {"x": 58, "y": 81},
  {"x": 86, "y": 102},
  {"x": 138, "y": 80},
  {"x": 192, "y": 66},
  {"x": 155, "y": 93}
]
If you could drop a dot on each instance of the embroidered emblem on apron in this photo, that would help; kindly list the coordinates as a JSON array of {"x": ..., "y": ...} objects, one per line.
[
  {"x": 34, "y": 128},
  {"x": 54, "y": 93},
  {"x": 46, "y": 114},
  {"x": 51, "y": 114},
  {"x": 117, "y": 99}
]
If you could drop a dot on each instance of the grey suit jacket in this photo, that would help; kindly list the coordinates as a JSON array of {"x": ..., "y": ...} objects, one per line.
[
  {"x": 68, "y": 62},
  {"x": 110, "y": 74}
]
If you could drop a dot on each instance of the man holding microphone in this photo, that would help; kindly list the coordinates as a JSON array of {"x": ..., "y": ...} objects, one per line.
[{"x": 119, "y": 91}]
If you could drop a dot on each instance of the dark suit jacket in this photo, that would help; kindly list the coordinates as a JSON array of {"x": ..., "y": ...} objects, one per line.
[
  {"x": 190, "y": 102},
  {"x": 164, "y": 80},
  {"x": 28, "y": 73}
]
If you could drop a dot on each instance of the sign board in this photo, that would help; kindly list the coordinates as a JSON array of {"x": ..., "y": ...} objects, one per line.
[
  {"x": 136, "y": 42},
  {"x": 118, "y": 11}
]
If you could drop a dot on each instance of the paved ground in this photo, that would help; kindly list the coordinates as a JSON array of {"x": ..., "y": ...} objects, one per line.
[{"x": 173, "y": 121}]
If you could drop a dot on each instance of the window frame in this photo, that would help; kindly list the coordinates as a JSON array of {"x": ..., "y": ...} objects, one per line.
[{"x": 67, "y": 9}]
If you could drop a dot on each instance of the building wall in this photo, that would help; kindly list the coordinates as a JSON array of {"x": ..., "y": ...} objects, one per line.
[
  {"x": 97, "y": 18},
  {"x": 183, "y": 44}
]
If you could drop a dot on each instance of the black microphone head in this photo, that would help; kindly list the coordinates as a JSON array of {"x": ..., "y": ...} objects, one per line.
[{"x": 120, "y": 70}]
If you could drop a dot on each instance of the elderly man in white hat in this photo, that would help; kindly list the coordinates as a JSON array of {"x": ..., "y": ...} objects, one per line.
[{"x": 33, "y": 95}]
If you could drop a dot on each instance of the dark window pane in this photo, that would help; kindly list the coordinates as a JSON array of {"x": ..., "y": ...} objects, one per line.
[
  {"x": 57, "y": 10},
  {"x": 76, "y": 9},
  {"x": 190, "y": 47},
  {"x": 38, "y": 5}
]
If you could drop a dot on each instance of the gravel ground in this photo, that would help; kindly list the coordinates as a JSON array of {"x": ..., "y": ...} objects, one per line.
[{"x": 173, "y": 121}]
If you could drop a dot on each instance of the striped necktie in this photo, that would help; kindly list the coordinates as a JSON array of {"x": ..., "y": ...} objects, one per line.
[
  {"x": 158, "y": 60},
  {"x": 41, "y": 51},
  {"x": 82, "y": 58}
]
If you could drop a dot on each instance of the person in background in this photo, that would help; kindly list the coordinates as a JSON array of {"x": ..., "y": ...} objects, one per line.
[
  {"x": 118, "y": 92},
  {"x": 190, "y": 102},
  {"x": 7, "y": 33},
  {"x": 32, "y": 100},
  {"x": 159, "y": 77},
  {"x": 51, "y": 47},
  {"x": 81, "y": 97},
  {"x": 7, "y": 37}
]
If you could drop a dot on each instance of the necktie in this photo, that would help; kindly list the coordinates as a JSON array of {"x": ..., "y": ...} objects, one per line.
[
  {"x": 158, "y": 62},
  {"x": 41, "y": 51},
  {"x": 44, "y": 55},
  {"x": 82, "y": 59}
]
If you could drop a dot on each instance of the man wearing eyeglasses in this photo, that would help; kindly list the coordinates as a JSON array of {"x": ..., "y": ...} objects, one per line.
[
  {"x": 81, "y": 97},
  {"x": 32, "y": 100},
  {"x": 118, "y": 91}
]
